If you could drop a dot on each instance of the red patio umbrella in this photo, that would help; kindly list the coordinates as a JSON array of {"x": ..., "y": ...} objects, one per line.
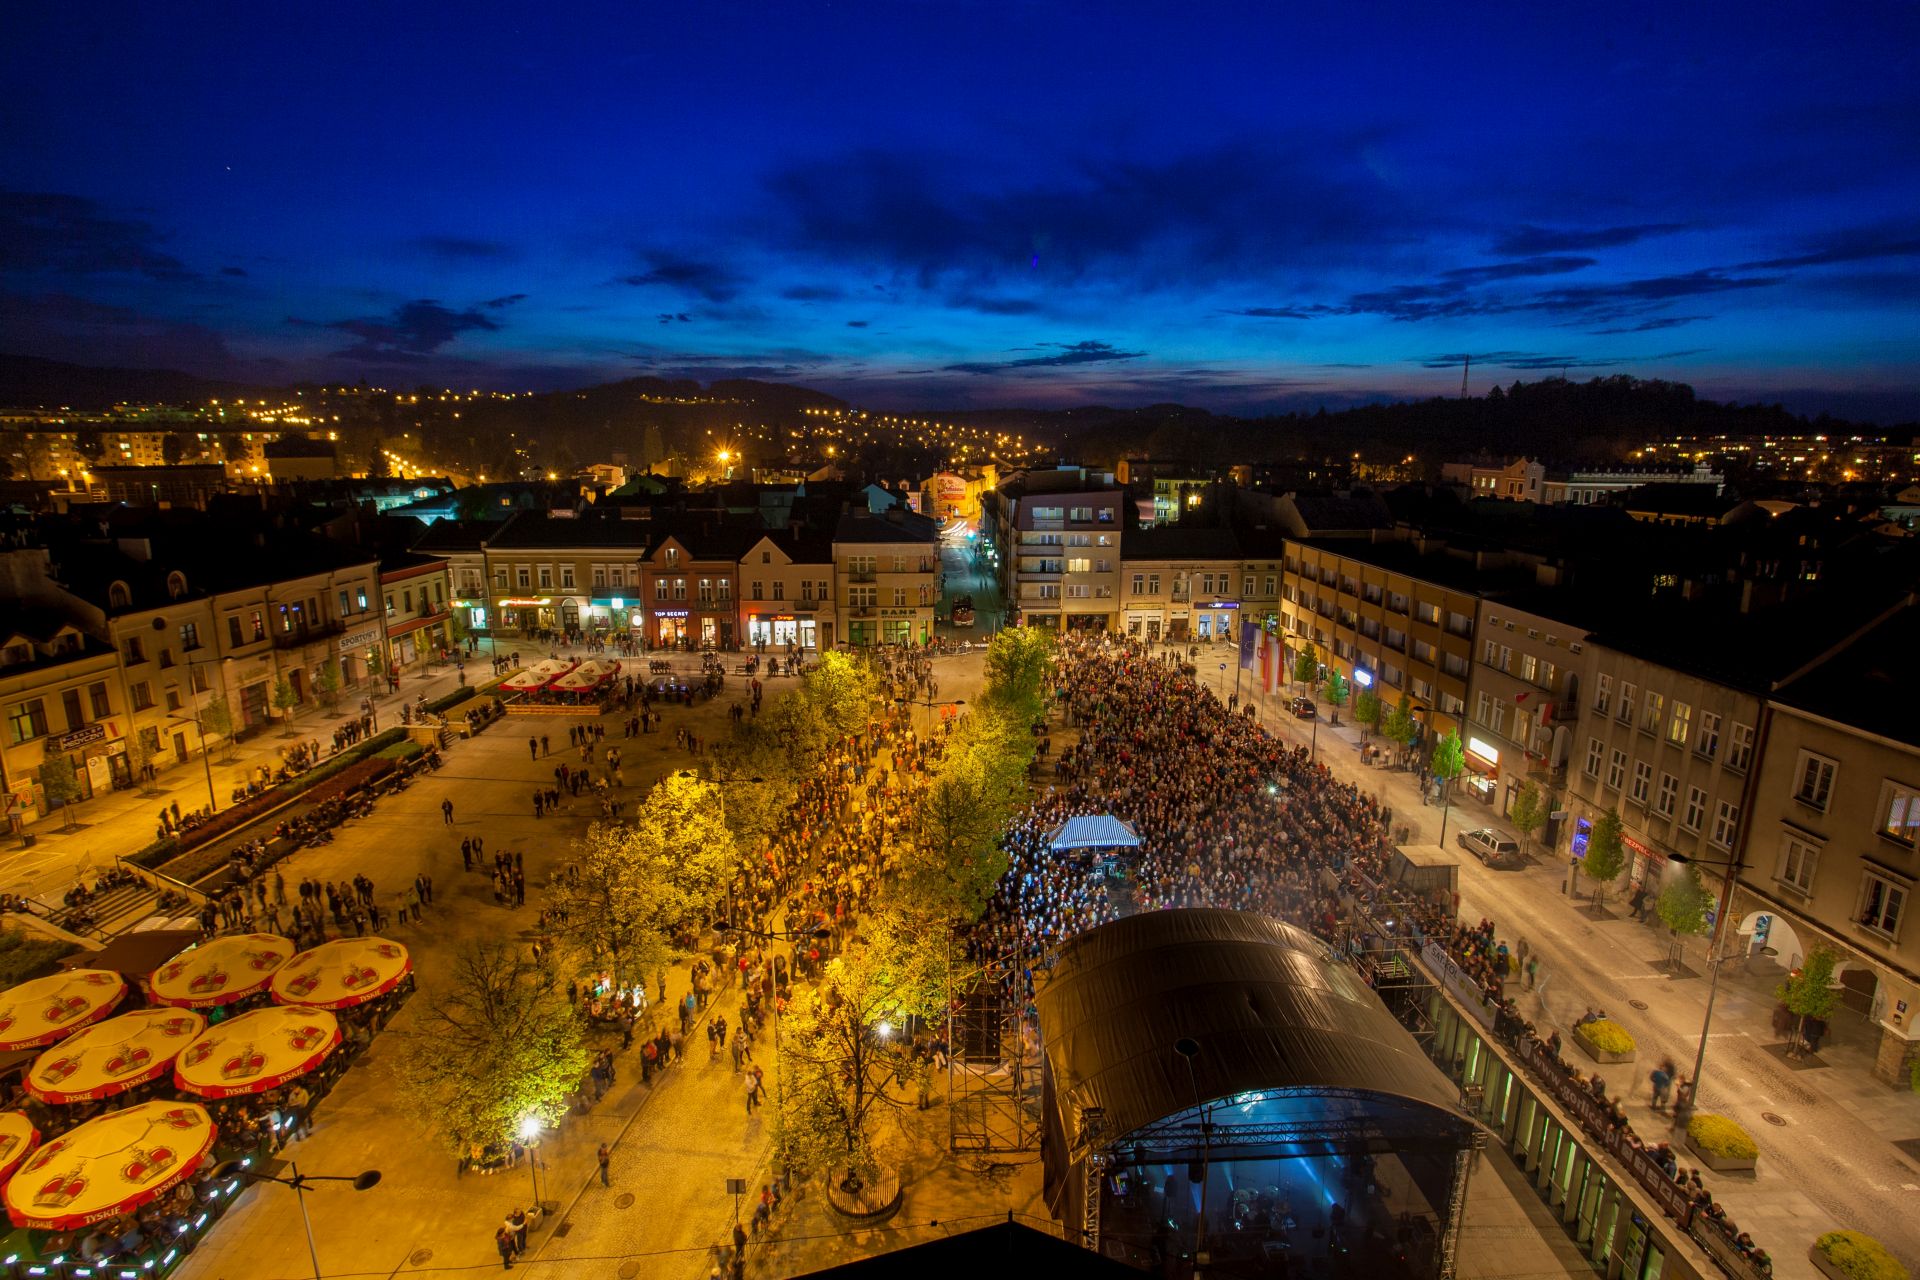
[
  {"x": 257, "y": 1051},
  {"x": 52, "y": 1008},
  {"x": 110, "y": 1164},
  {"x": 17, "y": 1138},
  {"x": 113, "y": 1055}
]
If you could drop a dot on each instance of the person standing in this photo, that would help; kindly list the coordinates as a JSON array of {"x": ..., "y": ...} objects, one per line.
[
  {"x": 605, "y": 1157},
  {"x": 446, "y": 811},
  {"x": 503, "y": 1241}
]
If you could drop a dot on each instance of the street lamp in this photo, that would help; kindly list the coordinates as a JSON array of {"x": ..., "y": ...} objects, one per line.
[
  {"x": 299, "y": 1181},
  {"x": 1731, "y": 868},
  {"x": 530, "y": 1128},
  {"x": 206, "y": 763}
]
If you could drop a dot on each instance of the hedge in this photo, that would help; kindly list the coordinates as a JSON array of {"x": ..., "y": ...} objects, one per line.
[
  {"x": 24, "y": 958},
  {"x": 1719, "y": 1136},
  {"x": 447, "y": 701},
  {"x": 251, "y": 809},
  {"x": 195, "y": 864},
  {"x": 1606, "y": 1035},
  {"x": 401, "y": 752},
  {"x": 1861, "y": 1257}
]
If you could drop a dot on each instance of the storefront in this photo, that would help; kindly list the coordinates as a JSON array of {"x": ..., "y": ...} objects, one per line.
[
  {"x": 1214, "y": 620},
  {"x": 614, "y": 613},
  {"x": 359, "y": 653},
  {"x": 1146, "y": 625},
  {"x": 778, "y": 630},
  {"x": 898, "y": 626},
  {"x": 475, "y": 614},
  {"x": 525, "y": 614},
  {"x": 256, "y": 696},
  {"x": 1480, "y": 781},
  {"x": 99, "y": 757},
  {"x": 670, "y": 628}
]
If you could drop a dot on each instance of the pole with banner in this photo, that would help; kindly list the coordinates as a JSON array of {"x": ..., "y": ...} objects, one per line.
[{"x": 1246, "y": 657}]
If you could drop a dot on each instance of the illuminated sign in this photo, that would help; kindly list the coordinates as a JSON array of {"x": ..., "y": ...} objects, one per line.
[
  {"x": 1363, "y": 677},
  {"x": 619, "y": 602},
  {"x": 359, "y": 640},
  {"x": 1221, "y": 604},
  {"x": 669, "y": 613},
  {"x": 1582, "y": 833},
  {"x": 1482, "y": 750},
  {"x": 539, "y": 602}
]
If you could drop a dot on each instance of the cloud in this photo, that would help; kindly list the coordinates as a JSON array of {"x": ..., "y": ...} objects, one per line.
[
  {"x": 1658, "y": 322},
  {"x": 60, "y": 326},
  {"x": 460, "y": 248},
  {"x": 812, "y": 293},
  {"x": 1610, "y": 301},
  {"x": 1859, "y": 244},
  {"x": 1541, "y": 266},
  {"x": 708, "y": 280},
  {"x": 1525, "y": 241},
  {"x": 1069, "y": 354},
  {"x": 856, "y": 324},
  {"x": 1543, "y": 360},
  {"x": 413, "y": 330},
  {"x": 1283, "y": 313},
  {"x": 674, "y": 317},
  {"x": 71, "y": 235},
  {"x": 503, "y": 301},
  {"x": 240, "y": 272},
  {"x": 992, "y": 305}
]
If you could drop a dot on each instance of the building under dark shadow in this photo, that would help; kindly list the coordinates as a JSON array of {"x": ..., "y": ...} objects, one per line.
[{"x": 1217, "y": 1082}]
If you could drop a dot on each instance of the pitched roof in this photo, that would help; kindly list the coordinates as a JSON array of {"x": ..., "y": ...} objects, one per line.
[{"x": 1177, "y": 542}]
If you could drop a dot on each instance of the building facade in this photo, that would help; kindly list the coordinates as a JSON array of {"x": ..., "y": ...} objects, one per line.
[
  {"x": 556, "y": 573},
  {"x": 886, "y": 576},
  {"x": 787, "y": 593},
  {"x": 1059, "y": 539},
  {"x": 1523, "y": 703},
  {"x": 1181, "y": 585}
]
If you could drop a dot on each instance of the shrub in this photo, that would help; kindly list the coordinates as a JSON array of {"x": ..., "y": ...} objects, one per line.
[
  {"x": 164, "y": 850},
  {"x": 1606, "y": 1036},
  {"x": 1719, "y": 1136},
  {"x": 402, "y": 752},
  {"x": 446, "y": 701},
  {"x": 24, "y": 958},
  {"x": 1861, "y": 1257}
]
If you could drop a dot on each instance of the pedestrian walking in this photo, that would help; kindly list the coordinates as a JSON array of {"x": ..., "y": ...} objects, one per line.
[
  {"x": 605, "y": 1157},
  {"x": 1661, "y": 1081}
]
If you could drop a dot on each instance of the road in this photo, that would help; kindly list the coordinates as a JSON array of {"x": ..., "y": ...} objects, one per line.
[{"x": 963, "y": 574}]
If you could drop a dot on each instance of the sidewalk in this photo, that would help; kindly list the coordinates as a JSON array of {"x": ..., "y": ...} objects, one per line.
[
  {"x": 1828, "y": 1155},
  {"x": 117, "y": 823}
]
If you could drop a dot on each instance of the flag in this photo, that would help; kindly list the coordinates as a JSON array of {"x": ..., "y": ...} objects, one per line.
[
  {"x": 1266, "y": 661},
  {"x": 1247, "y": 633},
  {"x": 1277, "y": 673}
]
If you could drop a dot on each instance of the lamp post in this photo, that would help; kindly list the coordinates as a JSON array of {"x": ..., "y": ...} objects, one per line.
[
  {"x": 1731, "y": 868},
  {"x": 205, "y": 762},
  {"x": 530, "y": 1128},
  {"x": 1189, "y": 1049},
  {"x": 299, "y": 1182}
]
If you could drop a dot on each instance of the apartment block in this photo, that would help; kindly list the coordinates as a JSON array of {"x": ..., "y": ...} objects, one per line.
[
  {"x": 1058, "y": 534},
  {"x": 1181, "y": 584},
  {"x": 786, "y": 585},
  {"x": 886, "y": 575}
]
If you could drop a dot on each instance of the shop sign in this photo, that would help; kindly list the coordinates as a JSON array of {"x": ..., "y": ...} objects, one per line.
[
  {"x": 531, "y": 602},
  {"x": 1490, "y": 754},
  {"x": 1222, "y": 604},
  {"x": 99, "y": 773},
  {"x": 669, "y": 613},
  {"x": 1363, "y": 677},
  {"x": 1582, "y": 836},
  {"x": 895, "y": 612},
  {"x": 82, "y": 736},
  {"x": 359, "y": 640},
  {"x": 1635, "y": 845}
]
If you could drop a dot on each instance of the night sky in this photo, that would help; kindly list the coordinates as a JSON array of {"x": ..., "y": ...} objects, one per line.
[{"x": 952, "y": 204}]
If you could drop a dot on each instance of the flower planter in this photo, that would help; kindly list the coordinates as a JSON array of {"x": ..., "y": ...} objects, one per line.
[
  {"x": 1722, "y": 1164},
  {"x": 1872, "y": 1261},
  {"x": 1596, "y": 1052}
]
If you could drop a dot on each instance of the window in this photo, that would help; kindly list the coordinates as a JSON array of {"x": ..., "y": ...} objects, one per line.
[
  {"x": 1596, "y": 752},
  {"x": 28, "y": 720},
  {"x": 1266, "y": 585},
  {"x": 1139, "y": 583},
  {"x": 1798, "y": 857},
  {"x": 389, "y": 606},
  {"x": 546, "y": 576},
  {"x": 1680, "y": 724},
  {"x": 726, "y": 588},
  {"x": 1153, "y": 584},
  {"x": 660, "y": 588},
  {"x": 706, "y": 590},
  {"x": 70, "y": 705},
  {"x": 1080, "y": 513},
  {"x": 1642, "y": 781},
  {"x": 1426, "y": 612},
  {"x": 1656, "y": 704},
  {"x": 173, "y": 699},
  {"x": 566, "y": 577},
  {"x": 136, "y": 650},
  {"x": 1529, "y": 668},
  {"x": 189, "y": 636},
  {"x": 1483, "y": 708},
  {"x": 344, "y": 610},
  {"x": 1696, "y": 813},
  {"x": 756, "y": 592},
  {"x": 1617, "y": 770},
  {"x": 679, "y": 588},
  {"x": 1900, "y": 813},
  {"x": 523, "y": 577},
  {"x": 233, "y": 631},
  {"x": 1080, "y": 565},
  {"x": 779, "y": 590},
  {"x": 899, "y": 596},
  {"x": 1813, "y": 781},
  {"x": 1726, "y": 820},
  {"x": 1246, "y": 585},
  {"x": 1668, "y": 793},
  {"x": 142, "y": 695},
  {"x": 599, "y": 577},
  {"x": 1707, "y": 742},
  {"x": 97, "y": 698},
  {"x": 1624, "y": 711},
  {"x": 1740, "y": 747},
  {"x": 1881, "y": 902}
]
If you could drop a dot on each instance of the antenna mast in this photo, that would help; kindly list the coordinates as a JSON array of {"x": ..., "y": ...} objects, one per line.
[{"x": 1466, "y": 367}]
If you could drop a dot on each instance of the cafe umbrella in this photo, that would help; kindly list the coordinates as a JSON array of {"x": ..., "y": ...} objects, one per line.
[
  {"x": 109, "y": 1165},
  {"x": 113, "y": 1055},
  {"x": 257, "y": 1051},
  {"x": 220, "y": 970},
  {"x": 17, "y": 1138},
  {"x": 49, "y": 1009},
  {"x": 342, "y": 973}
]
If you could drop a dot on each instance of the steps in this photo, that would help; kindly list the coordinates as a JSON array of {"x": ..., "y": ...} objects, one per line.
[{"x": 114, "y": 911}]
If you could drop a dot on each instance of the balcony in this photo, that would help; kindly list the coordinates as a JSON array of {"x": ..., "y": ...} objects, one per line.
[
  {"x": 802, "y": 606},
  {"x": 1181, "y": 597},
  {"x": 862, "y": 575},
  {"x": 863, "y": 611},
  {"x": 300, "y": 636}
]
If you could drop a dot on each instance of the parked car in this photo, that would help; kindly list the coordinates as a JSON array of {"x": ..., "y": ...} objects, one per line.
[
  {"x": 1492, "y": 848},
  {"x": 1302, "y": 706}
]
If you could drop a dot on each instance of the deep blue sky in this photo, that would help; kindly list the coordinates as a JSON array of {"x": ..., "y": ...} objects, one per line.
[{"x": 946, "y": 204}]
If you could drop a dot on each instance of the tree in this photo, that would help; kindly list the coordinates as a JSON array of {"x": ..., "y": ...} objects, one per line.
[
  {"x": 1529, "y": 812},
  {"x": 1809, "y": 992},
  {"x": 955, "y": 858},
  {"x": 285, "y": 699},
  {"x": 234, "y": 447},
  {"x": 139, "y": 756},
  {"x": 637, "y": 883},
  {"x": 1335, "y": 691},
  {"x": 216, "y": 721},
  {"x": 1367, "y": 709},
  {"x": 61, "y": 784},
  {"x": 1684, "y": 902},
  {"x": 500, "y": 1046},
  {"x": 1019, "y": 670},
  {"x": 842, "y": 1047},
  {"x": 1449, "y": 761},
  {"x": 1606, "y": 854},
  {"x": 327, "y": 683},
  {"x": 1306, "y": 664},
  {"x": 1400, "y": 726},
  {"x": 380, "y": 466}
]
